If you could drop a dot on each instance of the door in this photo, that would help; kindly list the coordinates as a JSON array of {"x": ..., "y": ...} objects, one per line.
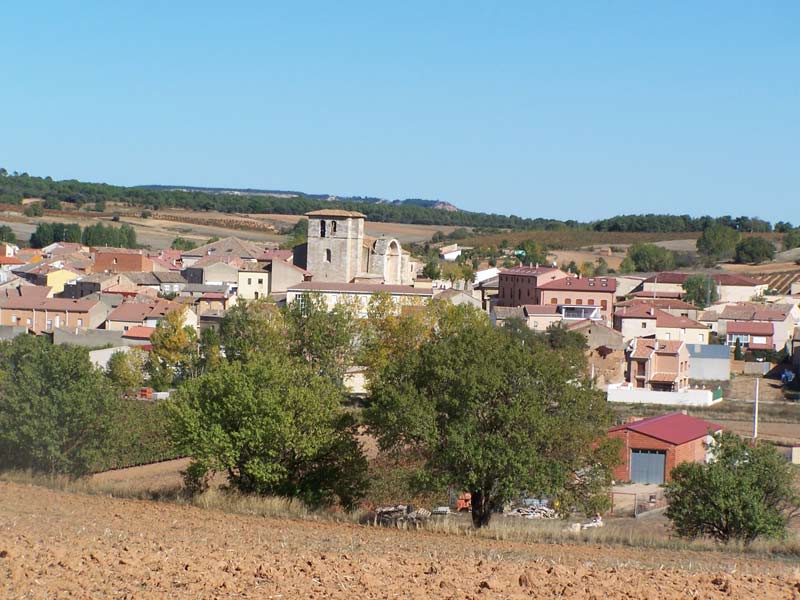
[{"x": 647, "y": 466}]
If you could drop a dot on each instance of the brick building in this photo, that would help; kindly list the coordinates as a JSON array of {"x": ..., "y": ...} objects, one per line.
[{"x": 653, "y": 447}]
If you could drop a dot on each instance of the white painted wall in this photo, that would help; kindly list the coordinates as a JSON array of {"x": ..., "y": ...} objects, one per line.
[{"x": 625, "y": 394}]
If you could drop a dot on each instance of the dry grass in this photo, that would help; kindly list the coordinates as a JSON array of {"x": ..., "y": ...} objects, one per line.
[{"x": 650, "y": 532}]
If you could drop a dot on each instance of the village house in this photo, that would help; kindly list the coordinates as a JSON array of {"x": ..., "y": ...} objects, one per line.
[
  {"x": 672, "y": 306},
  {"x": 517, "y": 286},
  {"x": 751, "y": 335},
  {"x": 226, "y": 248},
  {"x": 8, "y": 250},
  {"x": 39, "y": 314},
  {"x": 121, "y": 260},
  {"x": 215, "y": 270},
  {"x": 730, "y": 286},
  {"x": 268, "y": 277},
  {"x": 642, "y": 320},
  {"x": 449, "y": 253},
  {"x": 776, "y": 321},
  {"x": 51, "y": 274},
  {"x": 652, "y": 448},
  {"x": 145, "y": 314},
  {"x": 359, "y": 294},
  {"x": 97, "y": 283},
  {"x": 658, "y": 365}
]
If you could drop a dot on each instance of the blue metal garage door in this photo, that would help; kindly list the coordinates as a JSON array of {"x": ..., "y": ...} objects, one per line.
[{"x": 647, "y": 466}]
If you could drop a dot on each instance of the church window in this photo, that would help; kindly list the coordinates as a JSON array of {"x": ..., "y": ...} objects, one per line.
[
  {"x": 328, "y": 255},
  {"x": 333, "y": 226},
  {"x": 322, "y": 225}
]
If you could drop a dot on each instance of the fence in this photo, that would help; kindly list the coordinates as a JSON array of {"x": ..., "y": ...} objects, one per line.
[{"x": 633, "y": 504}]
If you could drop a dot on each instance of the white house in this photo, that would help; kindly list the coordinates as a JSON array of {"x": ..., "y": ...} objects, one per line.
[{"x": 450, "y": 253}]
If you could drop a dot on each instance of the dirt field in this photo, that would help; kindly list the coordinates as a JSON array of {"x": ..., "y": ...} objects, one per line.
[{"x": 61, "y": 545}]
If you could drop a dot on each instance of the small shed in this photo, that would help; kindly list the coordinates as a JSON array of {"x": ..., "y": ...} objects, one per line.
[
  {"x": 653, "y": 447},
  {"x": 709, "y": 362}
]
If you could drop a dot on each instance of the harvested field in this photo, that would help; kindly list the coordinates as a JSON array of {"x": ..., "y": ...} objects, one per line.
[
  {"x": 572, "y": 239},
  {"x": 57, "y": 544}
]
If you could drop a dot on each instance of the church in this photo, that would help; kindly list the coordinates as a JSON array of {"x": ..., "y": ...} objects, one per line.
[{"x": 339, "y": 252}]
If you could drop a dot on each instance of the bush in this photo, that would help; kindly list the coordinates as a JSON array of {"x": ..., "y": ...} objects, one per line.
[
  {"x": 55, "y": 408},
  {"x": 746, "y": 492},
  {"x": 754, "y": 250},
  {"x": 275, "y": 427}
]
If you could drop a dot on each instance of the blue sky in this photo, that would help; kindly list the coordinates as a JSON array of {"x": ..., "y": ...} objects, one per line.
[{"x": 580, "y": 111}]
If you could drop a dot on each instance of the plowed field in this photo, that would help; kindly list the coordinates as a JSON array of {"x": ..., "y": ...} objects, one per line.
[{"x": 61, "y": 545}]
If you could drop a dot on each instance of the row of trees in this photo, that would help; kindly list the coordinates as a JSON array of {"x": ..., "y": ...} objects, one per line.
[
  {"x": 496, "y": 411},
  {"x": 99, "y": 234},
  {"x": 15, "y": 187}
]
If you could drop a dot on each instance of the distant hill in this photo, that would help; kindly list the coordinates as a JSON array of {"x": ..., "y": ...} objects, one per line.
[{"x": 437, "y": 204}]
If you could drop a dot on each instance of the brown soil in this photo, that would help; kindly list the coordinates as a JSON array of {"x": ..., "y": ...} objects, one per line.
[{"x": 60, "y": 545}]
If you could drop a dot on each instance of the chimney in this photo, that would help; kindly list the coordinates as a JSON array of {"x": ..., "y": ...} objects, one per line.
[{"x": 651, "y": 311}]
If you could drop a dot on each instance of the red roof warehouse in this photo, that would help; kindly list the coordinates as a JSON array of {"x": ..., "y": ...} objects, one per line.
[{"x": 653, "y": 447}]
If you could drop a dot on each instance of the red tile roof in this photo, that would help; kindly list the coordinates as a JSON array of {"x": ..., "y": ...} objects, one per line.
[
  {"x": 582, "y": 284},
  {"x": 643, "y": 294},
  {"x": 662, "y": 303},
  {"x": 140, "y": 332},
  {"x": 136, "y": 312},
  {"x": 750, "y": 328},
  {"x": 362, "y": 288},
  {"x": 540, "y": 309},
  {"x": 645, "y": 347},
  {"x": 663, "y": 377},
  {"x": 10, "y": 260},
  {"x": 528, "y": 271},
  {"x": 674, "y": 428},
  {"x": 663, "y": 319}
]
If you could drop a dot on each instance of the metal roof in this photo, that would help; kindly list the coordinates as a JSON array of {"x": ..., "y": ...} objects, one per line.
[{"x": 673, "y": 428}]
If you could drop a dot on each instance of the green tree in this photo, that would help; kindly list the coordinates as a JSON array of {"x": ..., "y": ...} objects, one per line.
[
  {"x": 717, "y": 243},
  {"x": 700, "y": 290},
  {"x": 649, "y": 257},
  {"x": 174, "y": 352},
  {"x": 627, "y": 265},
  {"x": 127, "y": 370},
  {"x": 602, "y": 267},
  {"x": 791, "y": 240},
  {"x": 489, "y": 414},
  {"x": 100, "y": 205},
  {"x": 737, "y": 350},
  {"x": 754, "y": 250},
  {"x": 55, "y": 408},
  {"x": 7, "y": 234},
  {"x": 274, "y": 425},
  {"x": 431, "y": 269},
  {"x": 34, "y": 209},
  {"x": 325, "y": 339},
  {"x": 182, "y": 244},
  {"x": 534, "y": 252},
  {"x": 251, "y": 328},
  {"x": 744, "y": 493}
]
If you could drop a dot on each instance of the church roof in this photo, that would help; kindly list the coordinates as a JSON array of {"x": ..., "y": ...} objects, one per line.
[{"x": 333, "y": 212}]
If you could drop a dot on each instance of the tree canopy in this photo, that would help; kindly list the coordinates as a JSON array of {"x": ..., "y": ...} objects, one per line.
[
  {"x": 56, "y": 409},
  {"x": 743, "y": 493},
  {"x": 274, "y": 425},
  {"x": 649, "y": 257},
  {"x": 700, "y": 290},
  {"x": 754, "y": 250},
  {"x": 490, "y": 414},
  {"x": 717, "y": 243}
]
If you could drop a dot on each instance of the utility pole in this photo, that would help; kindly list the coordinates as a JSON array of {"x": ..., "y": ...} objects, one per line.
[{"x": 755, "y": 415}]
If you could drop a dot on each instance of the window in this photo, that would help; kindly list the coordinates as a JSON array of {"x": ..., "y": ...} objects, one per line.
[
  {"x": 28, "y": 322},
  {"x": 328, "y": 255},
  {"x": 579, "y": 301},
  {"x": 249, "y": 281},
  {"x": 14, "y": 319},
  {"x": 322, "y": 226},
  {"x": 553, "y": 301},
  {"x": 333, "y": 226},
  {"x": 125, "y": 328},
  {"x": 591, "y": 302},
  {"x": 644, "y": 324},
  {"x": 49, "y": 323},
  {"x": 568, "y": 301},
  {"x": 604, "y": 304},
  {"x": 80, "y": 322},
  {"x": 260, "y": 281}
]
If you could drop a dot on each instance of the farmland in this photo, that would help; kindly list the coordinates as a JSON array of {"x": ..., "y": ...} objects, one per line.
[{"x": 59, "y": 544}]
